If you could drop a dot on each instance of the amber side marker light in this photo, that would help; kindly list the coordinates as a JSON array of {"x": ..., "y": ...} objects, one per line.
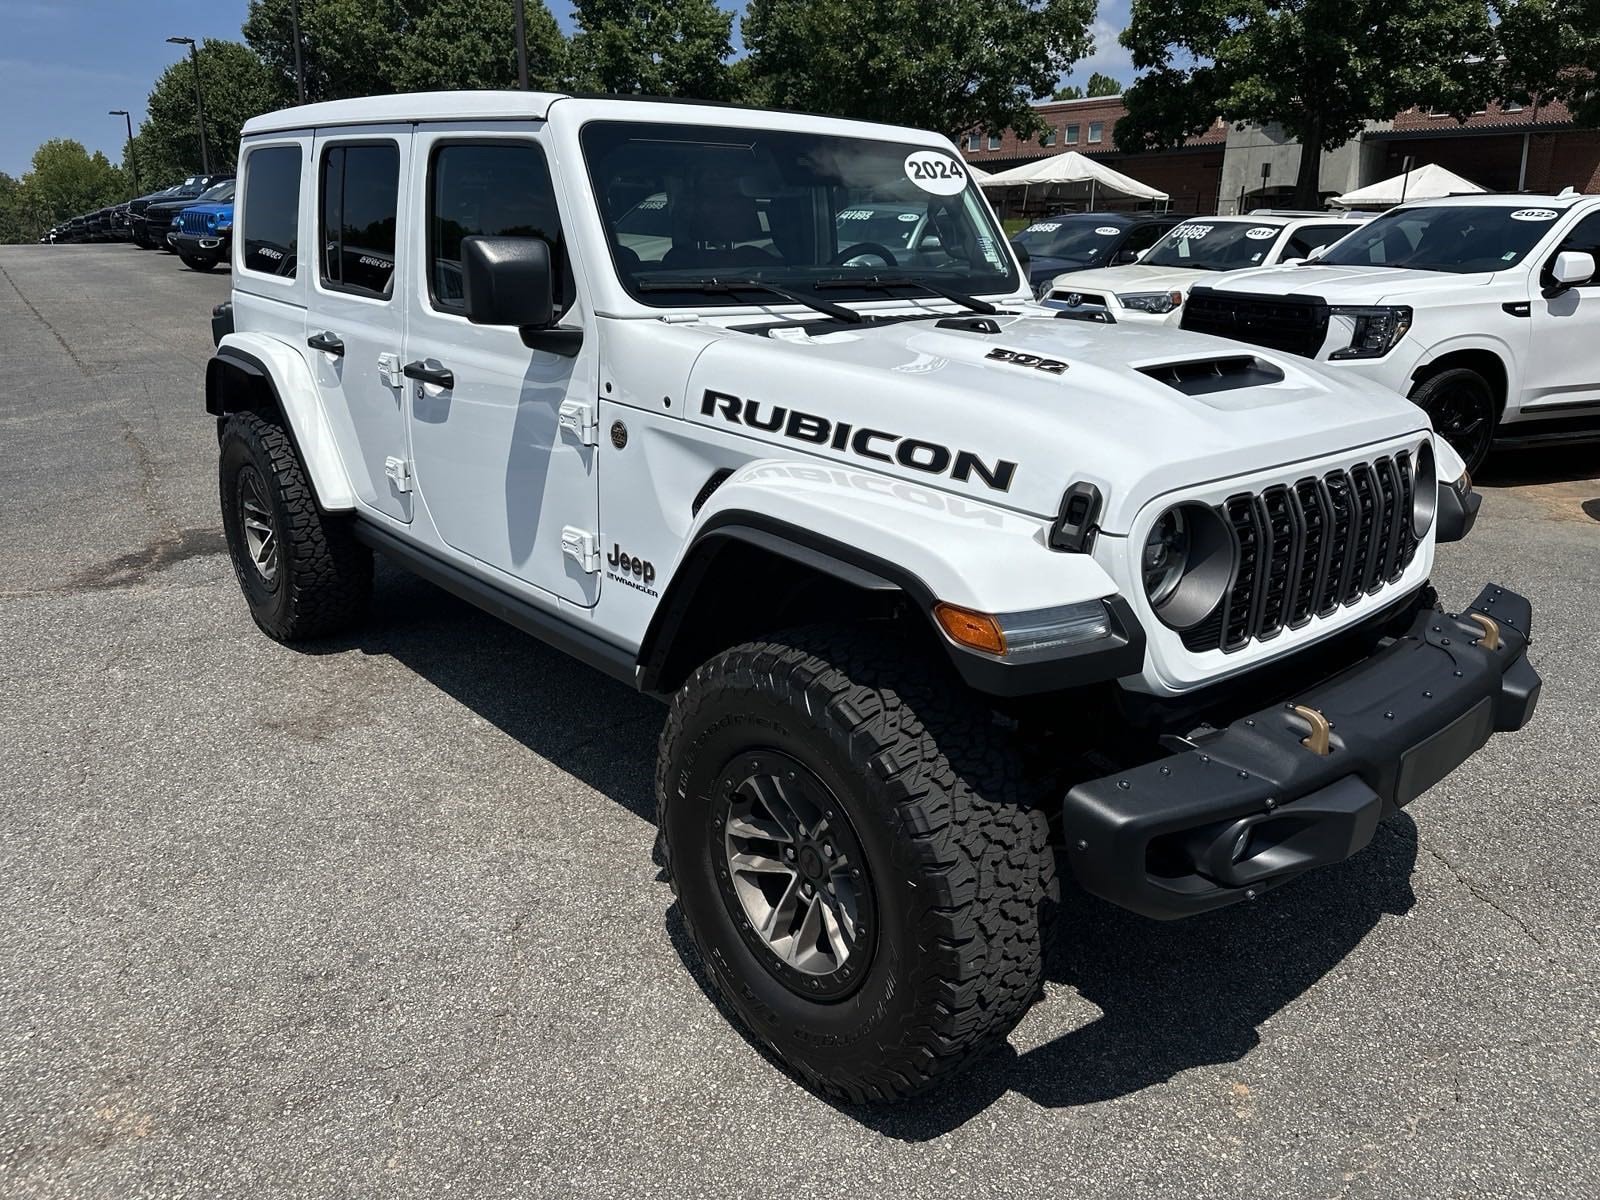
[{"x": 976, "y": 630}]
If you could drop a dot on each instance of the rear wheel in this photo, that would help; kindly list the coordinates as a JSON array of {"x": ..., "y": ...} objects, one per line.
[
  {"x": 1463, "y": 409},
  {"x": 302, "y": 572},
  {"x": 199, "y": 262},
  {"x": 857, "y": 856}
]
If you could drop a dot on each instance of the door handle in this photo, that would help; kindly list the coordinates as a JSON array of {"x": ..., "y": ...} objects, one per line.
[
  {"x": 328, "y": 343},
  {"x": 439, "y": 376}
]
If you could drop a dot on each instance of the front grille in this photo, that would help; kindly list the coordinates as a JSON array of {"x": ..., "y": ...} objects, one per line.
[
  {"x": 192, "y": 222},
  {"x": 1292, "y": 324},
  {"x": 1084, "y": 299},
  {"x": 1303, "y": 550}
]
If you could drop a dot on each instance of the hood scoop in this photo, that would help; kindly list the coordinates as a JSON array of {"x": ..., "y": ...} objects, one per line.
[{"x": 1206, "y": 376}]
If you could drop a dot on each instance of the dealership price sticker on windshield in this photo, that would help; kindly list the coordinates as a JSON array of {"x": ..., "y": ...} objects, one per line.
[{"x": 935, "y": 172}]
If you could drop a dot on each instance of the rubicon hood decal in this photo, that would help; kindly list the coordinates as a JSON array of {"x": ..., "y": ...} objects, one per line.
[{"x": 916, "y": 454}]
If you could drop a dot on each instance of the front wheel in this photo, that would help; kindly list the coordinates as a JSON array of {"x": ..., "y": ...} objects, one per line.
[
  {"x": 199, "y": 262},
  {"x": 857, "y": 857},
  {"x": 1463, "y": 410}
]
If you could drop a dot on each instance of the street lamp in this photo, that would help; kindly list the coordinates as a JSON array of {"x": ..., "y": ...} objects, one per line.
[
  {"x": 132, "y": 165},
  {"x": 199, "y": 102},
  {"x": 522, "y": 47}
]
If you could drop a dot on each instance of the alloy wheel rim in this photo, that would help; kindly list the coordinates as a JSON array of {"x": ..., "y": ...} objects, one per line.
[
  {"x": 1462, "y": 418},
  {"x": 793, "y": 874},
  {"x": 260, "y": 531}
]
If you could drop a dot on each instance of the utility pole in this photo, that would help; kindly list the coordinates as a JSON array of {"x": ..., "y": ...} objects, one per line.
[
  {"x": 299, "y": 65},
  {"x": 199, "y": 101},
  {"x": 522, "y": 47},
  {"x": 132, "y": 166}
]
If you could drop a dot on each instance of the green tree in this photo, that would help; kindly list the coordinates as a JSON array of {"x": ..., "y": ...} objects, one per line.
[
  {"x": 65, "y": 180},
  {"x": 1551, "y": 51},
  {"x": 375, "y": 47},
  {"x": 1320, "y": 69},
  {"x": 236, "y": 86},
  {"x": 1103, "y": 85},
  {"x": 948, "y": 65},
  {"x": 1070, "y": 92},
  {"x": 653, "y": 48},
  {"x": 14, "y": 223}
]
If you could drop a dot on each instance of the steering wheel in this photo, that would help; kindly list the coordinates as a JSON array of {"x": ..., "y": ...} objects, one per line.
[{"x": 849, "y": 254}]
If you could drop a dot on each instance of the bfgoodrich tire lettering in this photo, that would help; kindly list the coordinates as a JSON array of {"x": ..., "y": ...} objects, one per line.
[
  {"x": 958, "y": 864},
  {"x": 313, "y": 578}
]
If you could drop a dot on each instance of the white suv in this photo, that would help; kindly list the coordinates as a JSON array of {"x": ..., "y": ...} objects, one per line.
[
  {"x": 1485, "y": 310},
  {"x": 900, "y": 550},
  {"x": 1152, "y": 290}
]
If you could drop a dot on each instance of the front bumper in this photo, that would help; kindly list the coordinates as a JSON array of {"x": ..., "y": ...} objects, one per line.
[
  {"x": 1253, "y": 806},
  {"x": 210, "y": 244}
]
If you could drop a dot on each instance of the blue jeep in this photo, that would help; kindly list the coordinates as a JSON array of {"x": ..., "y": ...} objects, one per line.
[{"x": 202, "y": 233}]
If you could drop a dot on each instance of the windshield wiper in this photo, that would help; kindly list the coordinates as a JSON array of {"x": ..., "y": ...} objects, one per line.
[
  {"x": 728, "y": 286},
  {"x": 878, "y": 283}
]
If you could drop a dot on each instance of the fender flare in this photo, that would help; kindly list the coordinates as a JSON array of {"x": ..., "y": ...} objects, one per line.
[
  {"x": 247, "y": 366},
  {"x": 814, "y": 531},
  {"x": 1468, "y": 342}
]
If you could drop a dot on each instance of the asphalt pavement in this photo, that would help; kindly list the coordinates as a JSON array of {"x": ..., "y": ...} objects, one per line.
[{"x": 382, "y": 920}]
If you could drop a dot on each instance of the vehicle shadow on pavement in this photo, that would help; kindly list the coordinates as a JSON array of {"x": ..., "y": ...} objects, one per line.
[
  {"x": 590, "y": 726},
  {"x": 1527, "y": 468},
  {"x": 1172, "y": 995},
  {"x": 1176, "y": 995}
]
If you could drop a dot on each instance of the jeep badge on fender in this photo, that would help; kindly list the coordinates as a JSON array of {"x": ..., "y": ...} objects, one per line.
[{"x": 931, "y": 582}]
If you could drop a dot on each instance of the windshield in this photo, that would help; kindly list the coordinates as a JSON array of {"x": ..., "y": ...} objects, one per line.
[
  {"x": 1076, "y": 239},
  {"x": 696, "y": 204},
  {"x": 220, "y": 194},
  {"x": 1463, "y": 239},
  {"x": 1214, "y": 246}
]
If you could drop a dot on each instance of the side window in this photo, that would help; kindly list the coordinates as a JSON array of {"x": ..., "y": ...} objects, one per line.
[
  {"x": 1312, "y": 237},
  {"x": 503, "y": 190},
  {"x": 271, "y": 210},
  {"x": 360, "y": 196},
  {"x": 1144, "y": 237},
  {"x": 1585, "y": 238}
]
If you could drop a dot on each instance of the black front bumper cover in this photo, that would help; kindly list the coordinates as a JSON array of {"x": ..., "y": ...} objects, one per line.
[{"x": 1254, "y": 806}]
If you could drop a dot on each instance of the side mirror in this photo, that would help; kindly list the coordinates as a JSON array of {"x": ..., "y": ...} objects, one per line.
[
  {"x": 1317, "y": 252},
  {"x": 1126, "y": 256},
  {"x": 508, "y": 281},
  {"x": 511, "y": 281},
  {"x": 1571, "y": 268}
]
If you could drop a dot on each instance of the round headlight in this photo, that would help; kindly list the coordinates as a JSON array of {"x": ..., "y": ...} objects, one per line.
[
  {"x": 1187, "y": 562},
  {"x": 1166, "y": 553},
  {"x": 1424, "y": 491}
]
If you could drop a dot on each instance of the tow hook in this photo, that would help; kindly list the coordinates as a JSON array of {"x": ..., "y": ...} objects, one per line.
[
  {"x": 1317, "y": 741},
  {"x": 1491, "y": 631}
]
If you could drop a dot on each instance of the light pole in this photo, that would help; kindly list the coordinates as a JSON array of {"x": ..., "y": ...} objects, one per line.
[
  {"x": 299, "y": 66},
  {"x": 522, "y": 47},
  {"x": 132, "y": 166},
  {"x": 199, "y": 101}
]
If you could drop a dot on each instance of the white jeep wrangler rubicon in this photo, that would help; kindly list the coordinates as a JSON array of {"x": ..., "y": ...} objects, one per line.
[
  {"x": 1485, "y": 310},
  {"x": 903, "y": 551}
]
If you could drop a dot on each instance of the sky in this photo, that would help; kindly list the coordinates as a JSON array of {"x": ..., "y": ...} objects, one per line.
[{"x": 65, "y": 63}]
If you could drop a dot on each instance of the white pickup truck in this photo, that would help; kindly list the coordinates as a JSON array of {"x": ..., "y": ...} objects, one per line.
[
  {"x": 1152, "y": 290},
  {"x": 1485, "y": 310},
  {"x": 902, "y": 551}
]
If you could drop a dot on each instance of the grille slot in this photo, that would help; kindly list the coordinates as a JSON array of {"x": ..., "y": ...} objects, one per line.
[
  {"x": 192, "y": 222},
  {"x": 1304, "y": 549}
]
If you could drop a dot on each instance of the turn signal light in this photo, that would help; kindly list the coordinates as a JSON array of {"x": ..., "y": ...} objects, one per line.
[{"x": 976, "y": 630}]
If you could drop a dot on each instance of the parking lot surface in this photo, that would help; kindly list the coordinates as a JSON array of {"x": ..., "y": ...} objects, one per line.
[{"x": 381, "y": 919}]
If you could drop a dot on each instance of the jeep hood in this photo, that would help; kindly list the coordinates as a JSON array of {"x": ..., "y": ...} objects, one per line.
[
  {"x": 1345, "y": 285},
  {"x": 209, "y": 209},
  {"x": 1013, "y": 417}
]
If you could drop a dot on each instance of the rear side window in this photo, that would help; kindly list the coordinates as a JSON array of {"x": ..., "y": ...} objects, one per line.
[
  {"x": 360, "y": 197},
  {"x": 271, "y": 210},
  {"x": 497, "y": 189}
]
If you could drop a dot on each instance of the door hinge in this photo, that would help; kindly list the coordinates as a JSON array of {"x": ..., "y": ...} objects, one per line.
[
  {"x": 583, "y": 547},
  {"x": 580, "y": 417},
  {"x": 389, "y": 371},
  {"x": 399, "y": 472}
]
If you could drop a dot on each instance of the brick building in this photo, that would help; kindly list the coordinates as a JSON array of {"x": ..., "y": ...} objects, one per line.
[{"x": 1231, "y": 169}]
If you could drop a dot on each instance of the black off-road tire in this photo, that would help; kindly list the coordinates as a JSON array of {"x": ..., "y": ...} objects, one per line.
[
  {"x": 199, "y": 262},
  {"x": 954, "y": 835},
  {"x": 1464, "y": 411},
  {"x": 323, "y": 576}
]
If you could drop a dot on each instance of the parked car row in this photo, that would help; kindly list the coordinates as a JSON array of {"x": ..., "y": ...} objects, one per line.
[
  {"x": 193, "y": 219},
  {"x": 1483, "y": 309}
]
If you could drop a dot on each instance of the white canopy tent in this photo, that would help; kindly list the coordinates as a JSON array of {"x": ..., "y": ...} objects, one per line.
[
  {"x": 1428, "y": 182},
  {"x": 978, "y": 175},
  {"x": 1076, "y": 172}
]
